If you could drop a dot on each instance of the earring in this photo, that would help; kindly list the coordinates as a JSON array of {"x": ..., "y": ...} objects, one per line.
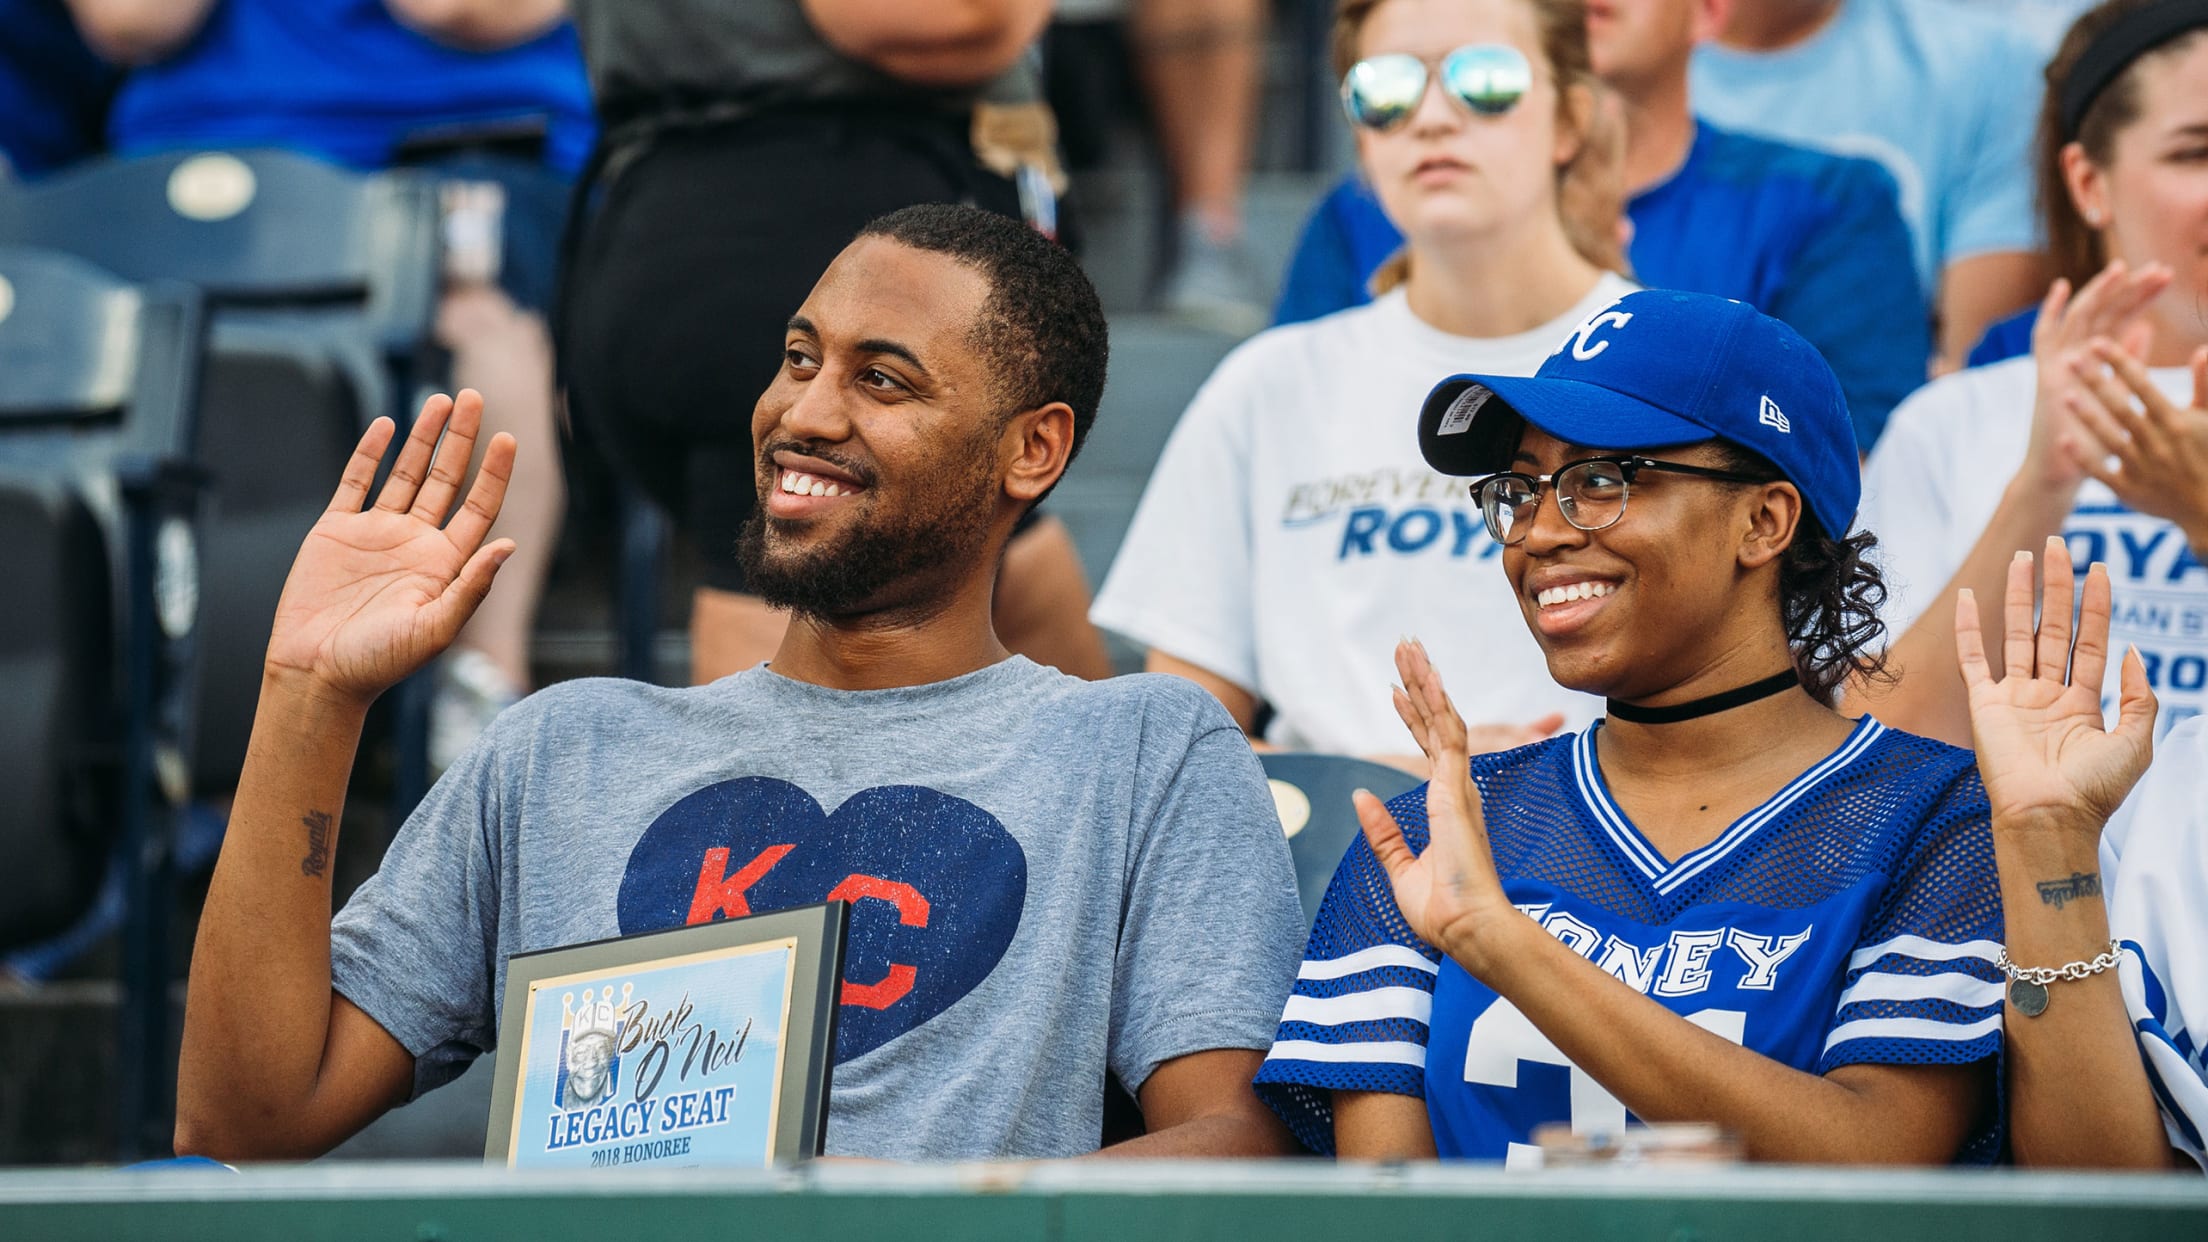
[{"x": 2093, "y": 217}]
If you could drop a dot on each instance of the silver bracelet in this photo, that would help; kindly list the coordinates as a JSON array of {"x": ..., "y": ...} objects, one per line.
[{"x": 2028, "y": 984}]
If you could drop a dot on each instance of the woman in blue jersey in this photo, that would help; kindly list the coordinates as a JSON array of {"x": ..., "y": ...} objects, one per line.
[{"x": 1725, "y": 902}]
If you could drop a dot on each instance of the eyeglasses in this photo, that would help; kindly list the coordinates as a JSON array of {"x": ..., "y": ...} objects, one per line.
[
  {"x": 1590, "y": 493},
  {"x": 1381, "y": 92}
]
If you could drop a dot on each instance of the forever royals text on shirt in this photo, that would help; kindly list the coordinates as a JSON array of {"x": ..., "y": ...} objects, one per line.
[
  {"x": 1851, "y": 918},
  {"x": 1292, "y": 532},
  {"x": 1937, "y": 478}
]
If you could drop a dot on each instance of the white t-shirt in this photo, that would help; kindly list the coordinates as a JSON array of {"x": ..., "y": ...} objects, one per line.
[
  {"x": 2154, "y": 875},
  {"x": 1938, "y": 474},
  {"x": 1292, "y": 532}
]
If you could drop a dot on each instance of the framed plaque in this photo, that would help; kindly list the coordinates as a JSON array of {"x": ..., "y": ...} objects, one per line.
[{"x": 706, "y": 1045}]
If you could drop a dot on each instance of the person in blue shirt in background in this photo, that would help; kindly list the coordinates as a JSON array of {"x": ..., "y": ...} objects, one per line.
[
  {"x": 53, "y": 90},
  {"x": 1811, "y": 239},
  {"x": 480, "y": 91},
  {"x": 1940, "y": 93}
]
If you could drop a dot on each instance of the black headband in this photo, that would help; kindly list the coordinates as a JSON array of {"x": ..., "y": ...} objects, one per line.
[{"x": 2131, "y": 36}]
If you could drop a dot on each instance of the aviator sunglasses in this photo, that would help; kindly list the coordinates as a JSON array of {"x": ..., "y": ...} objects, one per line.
[{"x": 1381, "y": 92}]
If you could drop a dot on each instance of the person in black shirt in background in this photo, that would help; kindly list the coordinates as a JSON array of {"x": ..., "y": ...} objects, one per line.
[{"x": 743, "y": 145}]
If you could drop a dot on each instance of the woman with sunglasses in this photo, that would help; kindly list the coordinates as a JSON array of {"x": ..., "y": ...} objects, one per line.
[
  {"x": 1726, "y": 903},
  {"x": 1290, "y": 528}
]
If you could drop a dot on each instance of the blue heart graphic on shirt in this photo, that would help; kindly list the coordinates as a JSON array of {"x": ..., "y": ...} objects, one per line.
[{"x": 936, "y": 883}]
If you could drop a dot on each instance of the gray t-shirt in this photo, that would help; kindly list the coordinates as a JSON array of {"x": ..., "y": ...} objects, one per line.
[{"x": 1055, "y": 876}]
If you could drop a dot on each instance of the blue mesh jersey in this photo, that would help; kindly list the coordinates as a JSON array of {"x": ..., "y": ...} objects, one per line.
[{"x": 1853, "y": 917}]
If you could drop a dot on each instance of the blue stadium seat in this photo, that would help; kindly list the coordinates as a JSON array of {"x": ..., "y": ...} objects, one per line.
[
  {"x": 1312, "y": 794},
  {"x": 98, "y": 500},
  {"x": 322, "y": 288}
]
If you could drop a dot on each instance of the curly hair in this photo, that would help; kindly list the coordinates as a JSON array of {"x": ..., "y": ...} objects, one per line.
[{"x": 1830, "y": 592}]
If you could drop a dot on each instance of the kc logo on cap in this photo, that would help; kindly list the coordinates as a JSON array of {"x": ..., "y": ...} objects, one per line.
[
  {"x": 1686, "y": 367},
  {"x": 1585, "y": 352}
]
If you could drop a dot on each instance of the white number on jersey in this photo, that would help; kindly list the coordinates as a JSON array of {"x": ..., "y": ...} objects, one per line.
[{"x": 1502, "y": 1037}]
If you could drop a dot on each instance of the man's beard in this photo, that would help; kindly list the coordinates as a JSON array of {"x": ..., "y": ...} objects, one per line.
[{"x": 949, "y": 527}]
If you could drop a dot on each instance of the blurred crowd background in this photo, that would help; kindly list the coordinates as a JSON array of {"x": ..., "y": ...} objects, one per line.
[{"x": 232, "y": 231}]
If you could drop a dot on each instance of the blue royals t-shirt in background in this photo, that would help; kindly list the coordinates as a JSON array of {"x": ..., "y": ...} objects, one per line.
[
  {"x": 343, "y": 79},
  {"x": 1943, "y": 95},
  {"x": 1811, "y": 239},
  {"x": 2004, "y": 339},
  {"x": 1853, "y": 918}
]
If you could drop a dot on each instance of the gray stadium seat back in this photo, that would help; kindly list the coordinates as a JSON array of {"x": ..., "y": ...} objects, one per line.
[
  {"x": 284, "y": 415},
  {"x": 74, "y": 412},
  {"x": 53, "y": 660},
  {"x": 1324, "y": 784},
  {"x": 1157, "y": 366},
  {"x": 71, "y": 352},
  {"x": 323, "y": 285},
  {"x": 259, "y": 227}
]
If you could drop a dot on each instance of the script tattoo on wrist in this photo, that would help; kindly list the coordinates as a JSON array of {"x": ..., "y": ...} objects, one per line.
[
  {"x": 2080, "y": 884},
  {"x": 318, "y": 843}
]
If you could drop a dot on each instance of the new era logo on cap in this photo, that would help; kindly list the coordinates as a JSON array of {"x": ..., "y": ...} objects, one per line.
[{"x": 1770, "y": 415}]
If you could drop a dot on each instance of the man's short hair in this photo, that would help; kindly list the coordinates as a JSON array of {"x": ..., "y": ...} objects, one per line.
[{"x": 1042, "y": 327}]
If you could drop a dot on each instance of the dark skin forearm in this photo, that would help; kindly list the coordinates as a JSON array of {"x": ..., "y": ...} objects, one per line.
[
  {"x": 1663, "y": 1067},
  {"x": 259, "y": 992},
  {"x": 276, "y": 1064},
  {"x": 2084, "y": 1035},
  {"x": 1202, "y": 1105}
]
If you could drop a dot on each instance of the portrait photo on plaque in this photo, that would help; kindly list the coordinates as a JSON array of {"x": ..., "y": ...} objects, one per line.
[{"x": 700, "y": 1046}]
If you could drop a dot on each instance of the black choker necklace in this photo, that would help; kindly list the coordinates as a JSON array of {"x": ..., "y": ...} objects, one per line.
[{"x": 1777, "y": 683}]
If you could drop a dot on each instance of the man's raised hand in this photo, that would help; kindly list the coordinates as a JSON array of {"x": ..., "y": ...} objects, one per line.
[
  {"x": 379, "y": 590},
  {"x": 2044, "y": 749}
]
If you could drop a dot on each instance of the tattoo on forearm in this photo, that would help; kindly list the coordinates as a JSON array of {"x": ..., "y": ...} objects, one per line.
[
  {"x": 2080, "y": 884},
  {"x": 318, "y": 843}
]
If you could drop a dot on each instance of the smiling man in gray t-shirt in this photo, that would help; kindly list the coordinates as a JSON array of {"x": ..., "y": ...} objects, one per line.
[{"x": 1050, "y": 878}]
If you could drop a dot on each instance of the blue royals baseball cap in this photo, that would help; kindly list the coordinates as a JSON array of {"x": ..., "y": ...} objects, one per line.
[{"x": 1656, "y": 369}]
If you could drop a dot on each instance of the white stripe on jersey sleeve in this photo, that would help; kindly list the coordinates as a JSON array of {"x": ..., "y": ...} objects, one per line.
[
  {"x": 1911, "y": 1028},
  {"x": 1968, "y": 991},
  {"x": 1925, "y": 950},
  {"x": 1376, "y": 1005},
  {"x": 1413, "y": 1055},
  {"x": 1366, "y": 959}
]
